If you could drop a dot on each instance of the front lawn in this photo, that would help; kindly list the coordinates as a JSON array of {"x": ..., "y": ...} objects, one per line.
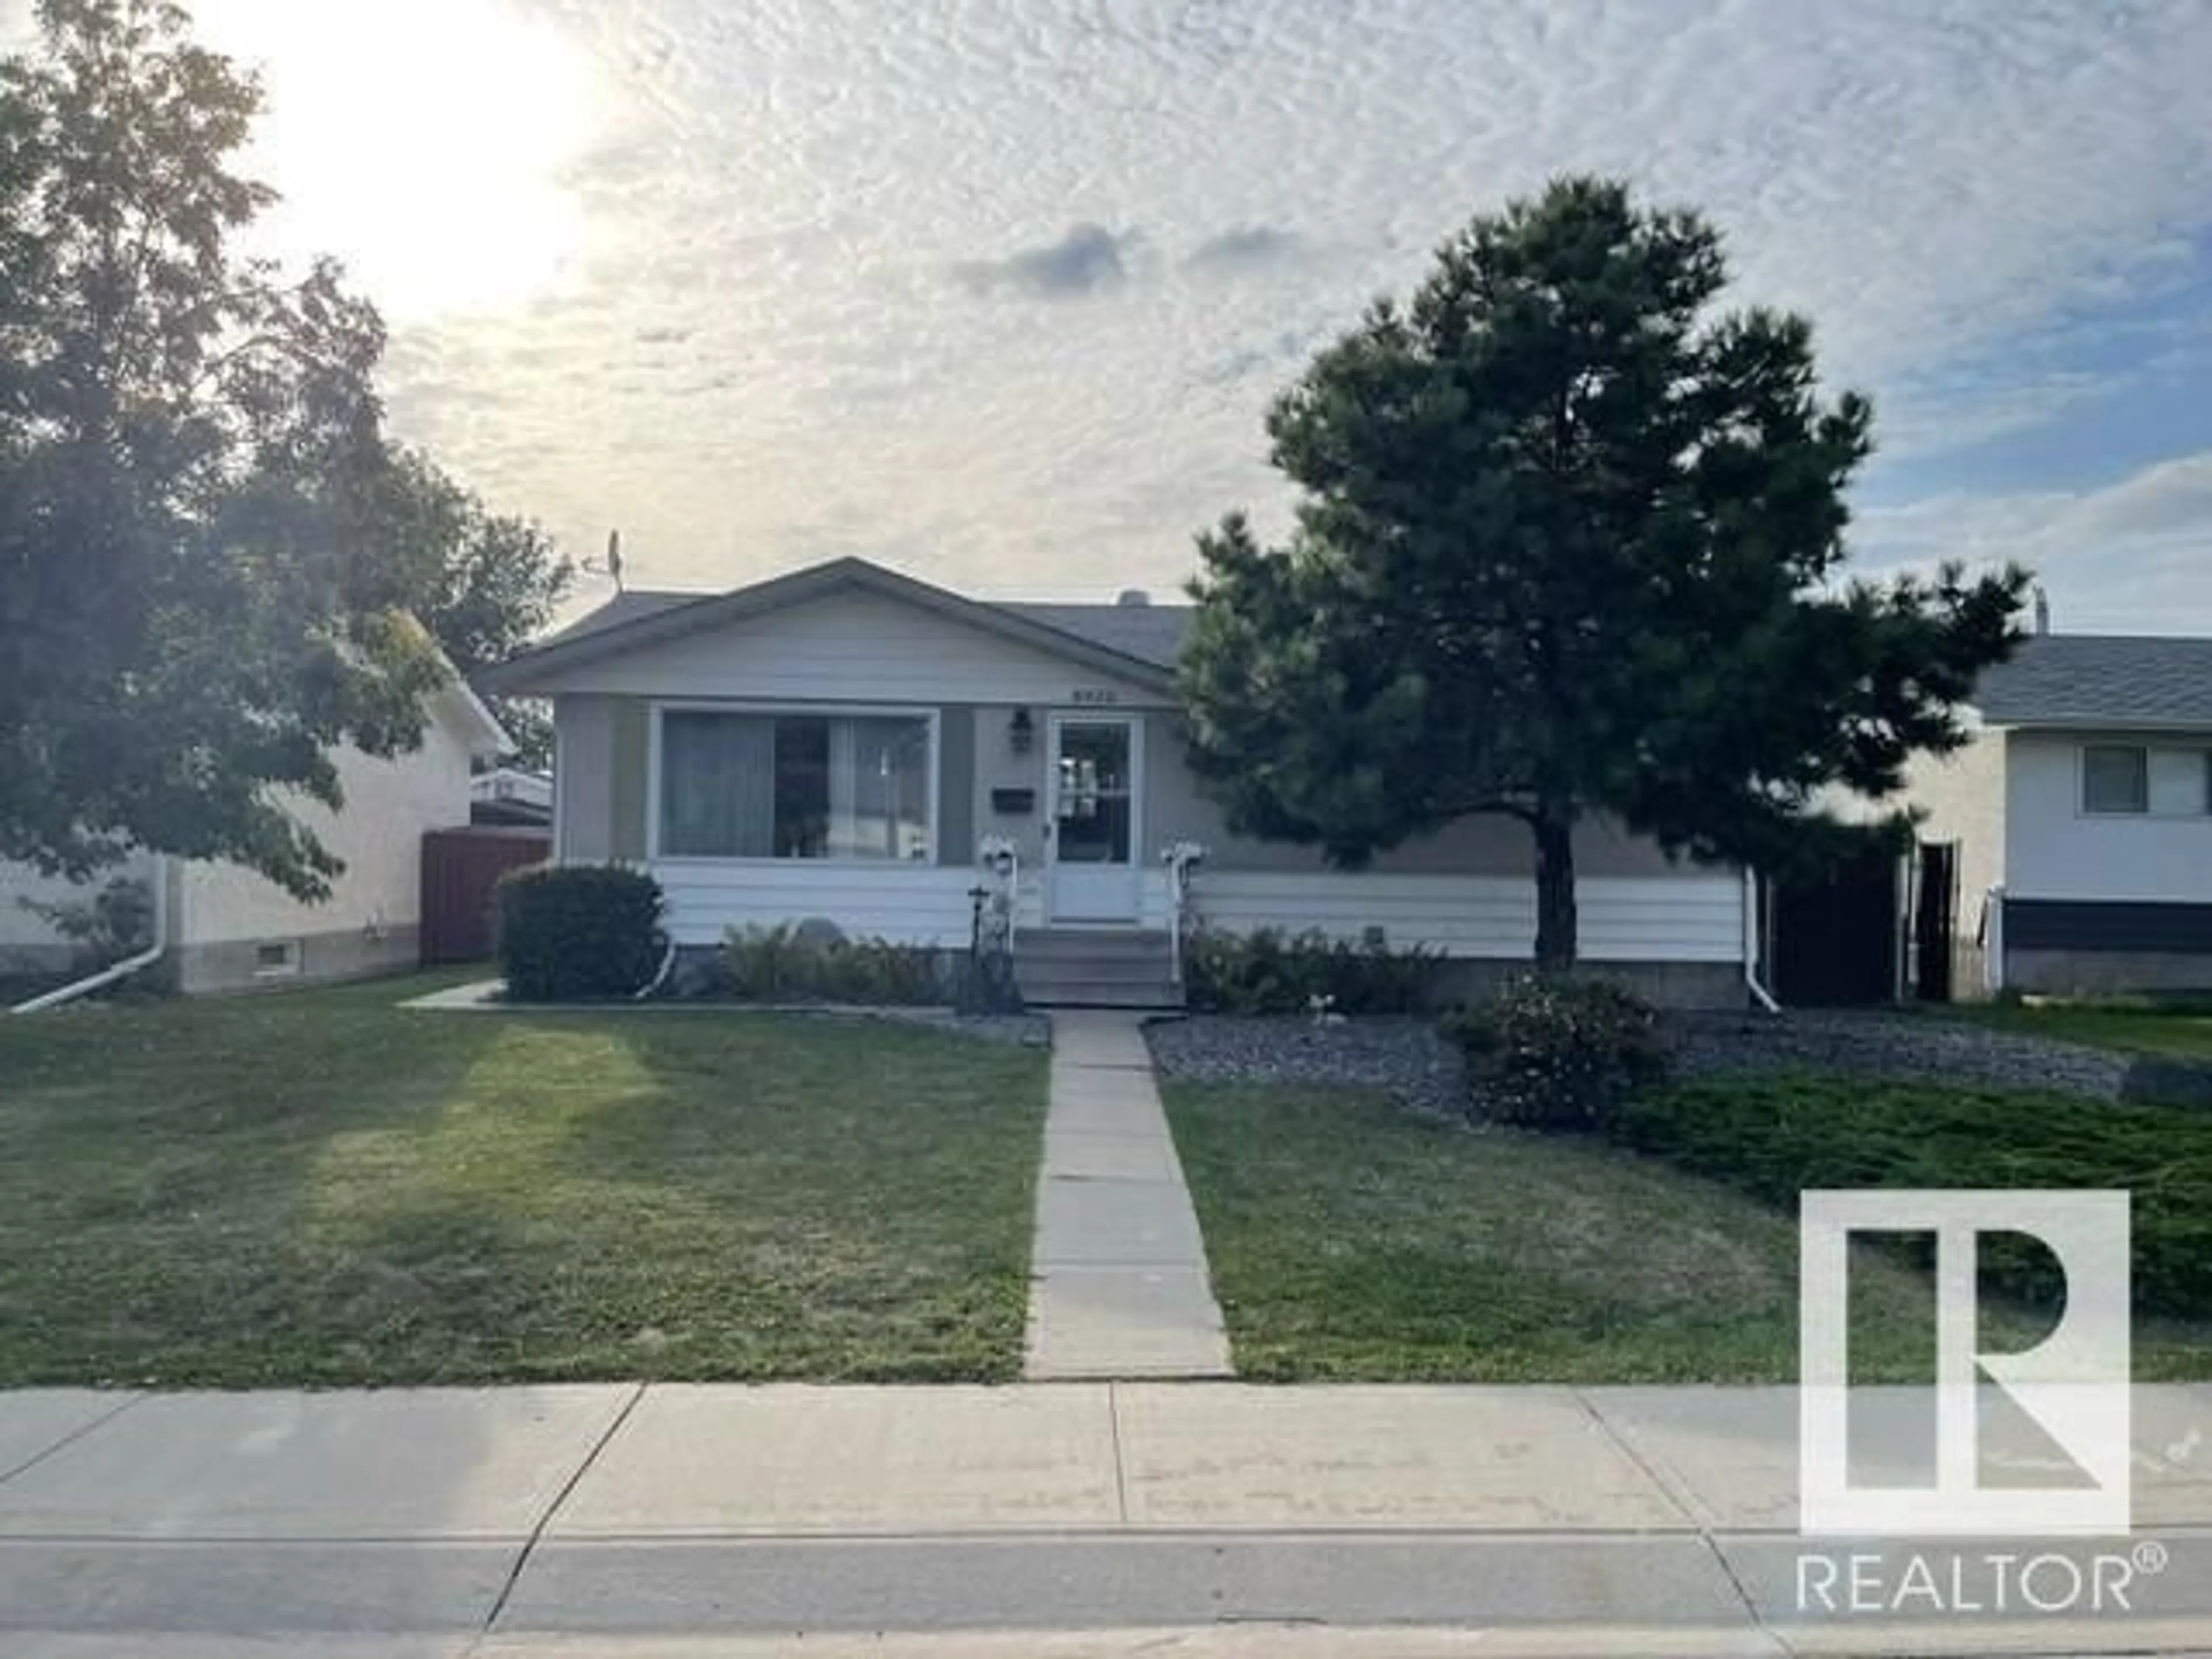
[
  {"x": 2183, "y": 1032},
  {"x": 321, "y": 1188},
  {"x": 1350, "y": 1239}
]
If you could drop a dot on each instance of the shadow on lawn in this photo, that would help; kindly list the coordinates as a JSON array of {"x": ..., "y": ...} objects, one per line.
[{"x": 288, "y": 1191}]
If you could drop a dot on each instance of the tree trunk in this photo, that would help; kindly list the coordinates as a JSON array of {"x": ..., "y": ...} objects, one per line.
[{"x": 1555, "y": 890}]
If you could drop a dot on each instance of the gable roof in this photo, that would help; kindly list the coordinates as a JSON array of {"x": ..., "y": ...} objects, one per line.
[
  {"x": 638, "y": 621},
  {"x": 2101, "y": 679}
]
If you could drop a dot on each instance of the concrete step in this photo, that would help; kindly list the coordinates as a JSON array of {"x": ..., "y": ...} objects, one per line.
[
  {"x": 1101, "y": 968},
  {"x": 1057, "y": 942},
  {"x": 1099, "y": 994}
]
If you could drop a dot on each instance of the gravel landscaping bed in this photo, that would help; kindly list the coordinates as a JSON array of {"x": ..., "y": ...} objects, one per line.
[
  {"x": 1408, "y": 1059},
  {"x": 1405, "y": 1057},
  {"x": 1870, "y": 1043}
]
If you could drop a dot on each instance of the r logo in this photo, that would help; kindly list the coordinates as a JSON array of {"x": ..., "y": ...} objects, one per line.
[{"x": 2074, "y": 1384}]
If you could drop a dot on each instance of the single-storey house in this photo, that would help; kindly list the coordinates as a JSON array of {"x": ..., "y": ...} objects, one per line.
[
  {"x": 837, "y": 742},
  {"x": 2071, "y": 839},
  {"x": 228, "y": 929}
]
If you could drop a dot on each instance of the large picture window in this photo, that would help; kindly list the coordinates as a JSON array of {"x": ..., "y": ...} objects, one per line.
[{"x": 759, "y": 785}]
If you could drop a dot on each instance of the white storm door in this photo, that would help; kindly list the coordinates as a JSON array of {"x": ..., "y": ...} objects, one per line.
[{"x": 1097, "y": 816}]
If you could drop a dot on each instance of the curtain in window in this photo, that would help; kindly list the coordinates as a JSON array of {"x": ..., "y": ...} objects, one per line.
[
  {"x": 879, "y": 788},
  {"x": 718, "y": 785},
  {"x": 794, "y": 785}
]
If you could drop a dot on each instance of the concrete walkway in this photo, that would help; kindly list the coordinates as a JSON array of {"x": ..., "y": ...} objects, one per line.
[
  {"x": 1214, "y": 1519},
  {"x": 1119, "y": 1285}
]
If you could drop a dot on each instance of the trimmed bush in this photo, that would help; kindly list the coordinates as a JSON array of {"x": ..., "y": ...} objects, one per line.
[
  {"x": 784, "y": 964},
  {"x": 574, "y": 932},
  {"x": 2168, "y": 1080},
  {"x": 1554, "y": 1052},
  {"x": 1264, "y": 973},
  {"x": 1777, "y": 1137}
]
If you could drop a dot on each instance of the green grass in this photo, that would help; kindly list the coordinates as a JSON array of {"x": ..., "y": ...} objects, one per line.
[
  {"x": 320, "y": 1189},
  {"x": 1349, "y": 1239},
  {"x": 2183, "y": 1032}
]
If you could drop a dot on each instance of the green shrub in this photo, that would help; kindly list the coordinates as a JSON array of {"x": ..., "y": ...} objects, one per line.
[
  {"x": 575, "y": 932},
  {"x": 784, "y": 964},
  {"x": 1777, "y": 1137},
  {"x": 1264, "y": 973},
  {"x": 1553, "y": 1051},
  {"x": 2168, "y": 1080}
]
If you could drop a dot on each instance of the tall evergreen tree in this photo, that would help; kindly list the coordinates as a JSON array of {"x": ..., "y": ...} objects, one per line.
[{"x": 1568, "y": 543}]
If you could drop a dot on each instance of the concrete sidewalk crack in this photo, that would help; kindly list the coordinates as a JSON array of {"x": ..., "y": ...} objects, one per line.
[
  {"x": 530, "y": 1544},
  {"x": 1120, "y": 1478},
  {"x": 70, "y": 1439},
  {"x": 1668, "y": 1489}
]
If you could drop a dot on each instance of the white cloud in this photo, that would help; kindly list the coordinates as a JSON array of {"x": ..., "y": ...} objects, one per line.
[
  {"x": 2135, "y": 556},
  {"x": 788, "y": 184}
]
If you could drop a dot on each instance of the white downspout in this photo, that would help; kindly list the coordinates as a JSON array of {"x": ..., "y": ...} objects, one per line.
[
  {"x": 1758, "y": 992},
  {"x": 1993, "y": 940},
  {"x": 123, "y": 970}
]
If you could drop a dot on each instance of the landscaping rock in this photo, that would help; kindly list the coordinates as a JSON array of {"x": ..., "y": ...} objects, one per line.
[
  {"x": 1406, "y": 1057},
  {"x": 1870, "y": 1043}
]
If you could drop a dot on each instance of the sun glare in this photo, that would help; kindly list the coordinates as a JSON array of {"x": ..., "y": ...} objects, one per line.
[{"x": 423, "y": 141}]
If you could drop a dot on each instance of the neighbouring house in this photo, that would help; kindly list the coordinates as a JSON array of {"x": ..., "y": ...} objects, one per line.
[
  {"x": 2067, "y": 848},
  {"x": 508, "y": 796},
  {"x": 836, "y": 743},
  {"x": 228, "y": 928}
]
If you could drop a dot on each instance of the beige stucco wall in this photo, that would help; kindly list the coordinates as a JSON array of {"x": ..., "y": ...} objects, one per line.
[
  {"x": 378, "y": 836},
  {"x": 1963, "y": 797}
]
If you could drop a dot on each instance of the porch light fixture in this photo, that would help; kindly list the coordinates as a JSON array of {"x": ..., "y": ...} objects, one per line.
[{"x": 1021, "y": 731}]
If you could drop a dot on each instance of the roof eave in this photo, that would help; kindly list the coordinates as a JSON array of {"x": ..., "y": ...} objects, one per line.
[
  {"x": 2093, "y": 723},
  {"x": 527, "y": 673}
]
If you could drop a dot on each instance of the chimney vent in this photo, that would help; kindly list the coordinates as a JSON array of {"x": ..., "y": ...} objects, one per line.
[{"x": 1133, "y": 597}]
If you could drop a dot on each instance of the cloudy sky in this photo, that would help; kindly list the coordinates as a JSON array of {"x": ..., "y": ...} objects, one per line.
[{"x": 997, "y": 290}]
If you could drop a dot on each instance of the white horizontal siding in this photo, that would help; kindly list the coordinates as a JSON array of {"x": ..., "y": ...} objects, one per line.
[
  {"x": 1622, "y": 919},
  {"x": 1685, "y": 917},
  {"x": 904, "y": 903},
  {"x": 852, "y": 647}
]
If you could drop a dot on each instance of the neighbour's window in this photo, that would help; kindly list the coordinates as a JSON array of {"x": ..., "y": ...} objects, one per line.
[
  {"x": 2118, "y": 778},
  {"x": 2115, "y": 779},
  {"x": 794, "y": 785}
]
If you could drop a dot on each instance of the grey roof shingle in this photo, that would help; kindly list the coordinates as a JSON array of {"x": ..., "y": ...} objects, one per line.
[
  {"x": 2085, "y": 679},
  {"x": 1150, "y": 633},
  {"x": 633, "y": 606}
]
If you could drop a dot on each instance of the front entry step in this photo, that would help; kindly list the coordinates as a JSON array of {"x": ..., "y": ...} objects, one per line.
[
  {"x": 1099, "y": 994},
  {"x": 1075, "y": 968}
]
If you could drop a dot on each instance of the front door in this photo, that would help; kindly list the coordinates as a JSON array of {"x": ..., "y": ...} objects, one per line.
[{"x": 1096, "y": 818}]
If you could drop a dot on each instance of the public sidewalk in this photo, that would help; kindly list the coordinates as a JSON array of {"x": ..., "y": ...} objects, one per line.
[
  {"x": 1058, "y": 1520},
  {"x": 1119, "y": 1286}
]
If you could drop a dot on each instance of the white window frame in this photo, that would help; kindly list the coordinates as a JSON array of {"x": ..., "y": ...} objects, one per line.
[
  {"x": 2201, "y": 812},
  {"x": 932, "y": 716}
]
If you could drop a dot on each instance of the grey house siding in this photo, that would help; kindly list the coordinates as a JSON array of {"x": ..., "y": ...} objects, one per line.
[
  {"x": 955, "y": 786},
  {"x": 1177, "y": 808}
]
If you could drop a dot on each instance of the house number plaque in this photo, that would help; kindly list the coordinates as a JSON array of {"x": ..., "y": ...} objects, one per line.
[{"x": 1094, "y": 697}]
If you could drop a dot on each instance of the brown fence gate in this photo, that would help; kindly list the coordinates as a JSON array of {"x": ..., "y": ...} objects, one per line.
[{"x": 460, "y": 867}]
